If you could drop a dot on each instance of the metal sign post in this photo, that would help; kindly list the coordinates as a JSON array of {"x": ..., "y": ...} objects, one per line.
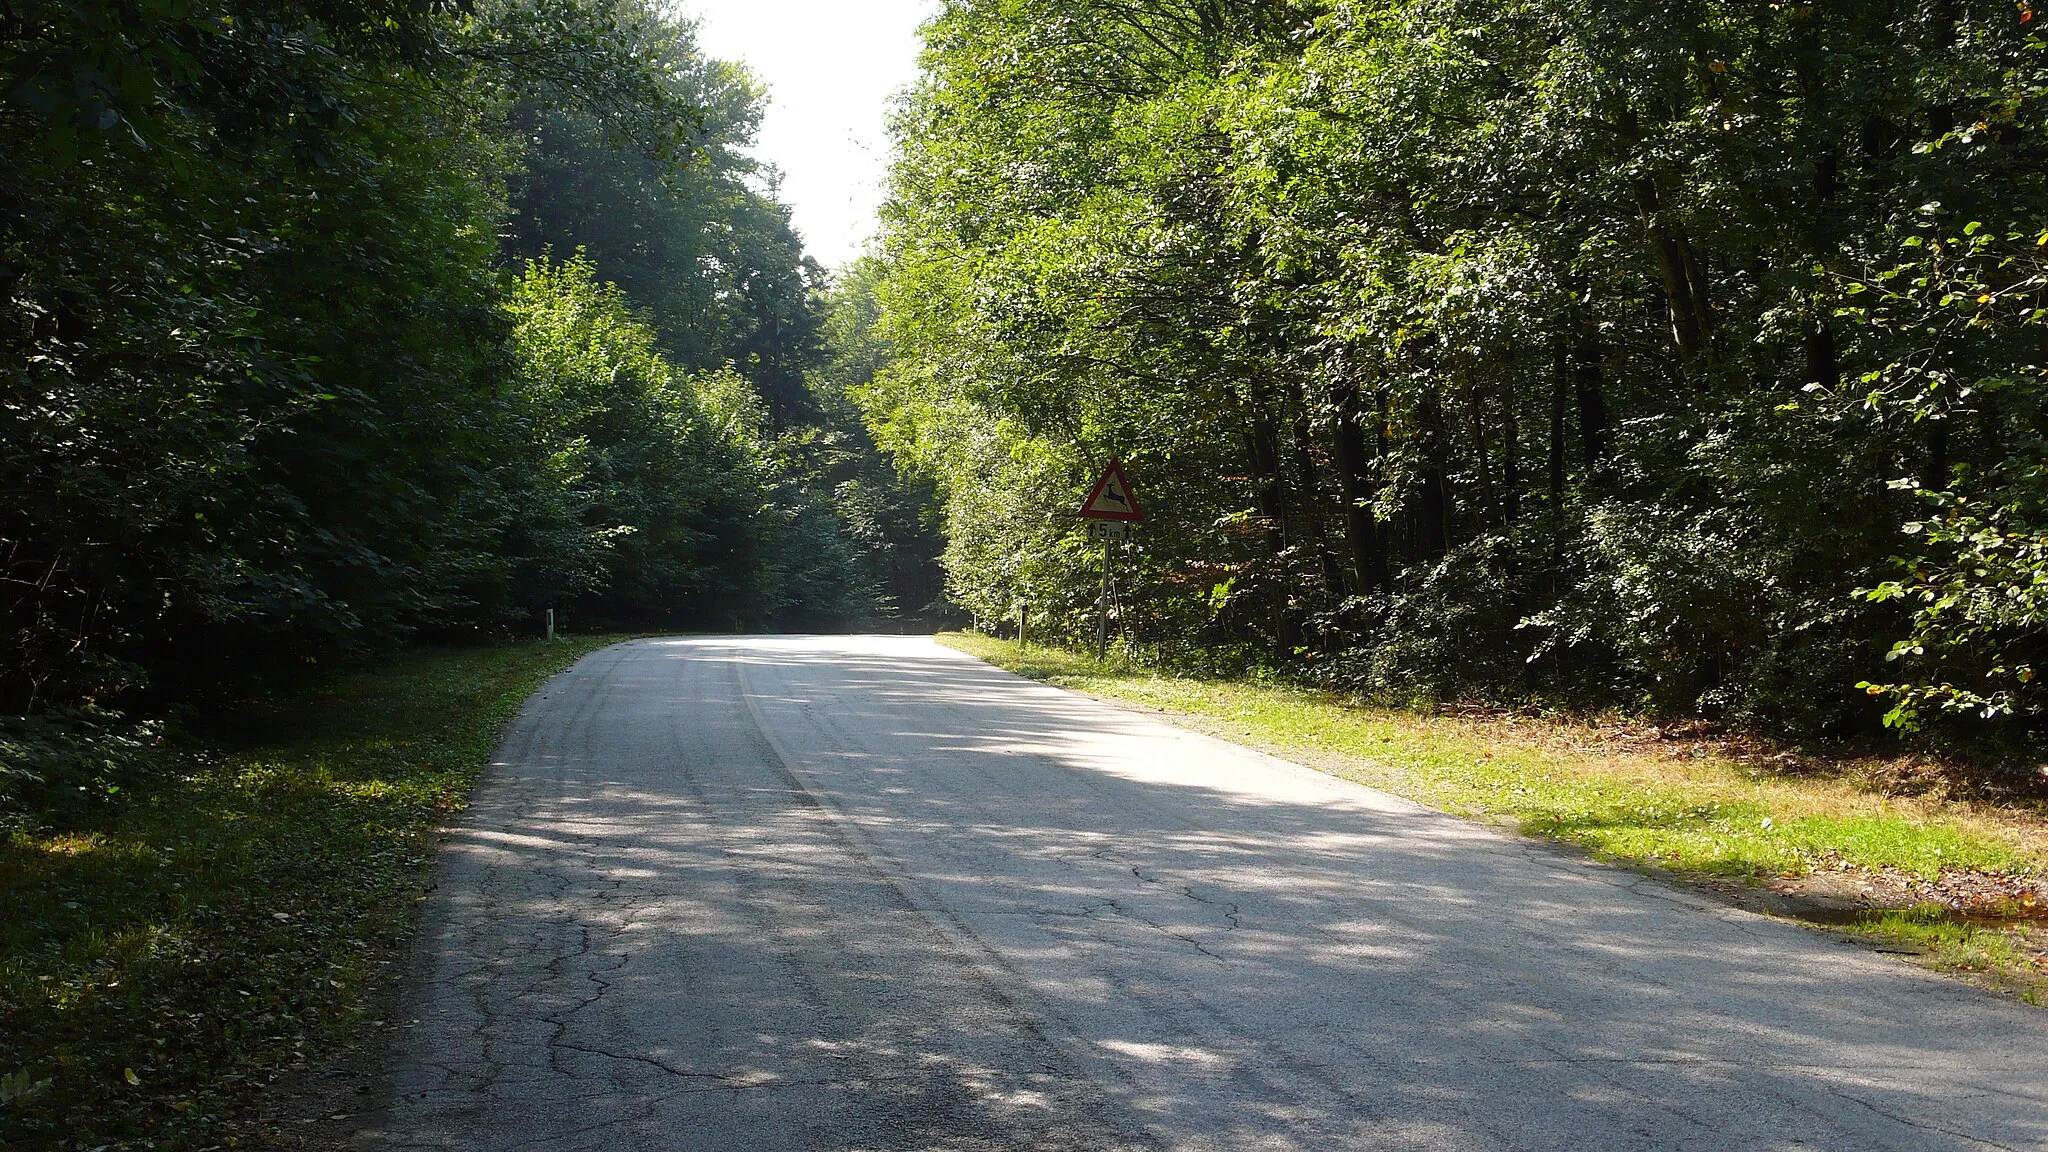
[
  {"x": 1102, "y": 616},
  {"x": 1111, "y": 509}
]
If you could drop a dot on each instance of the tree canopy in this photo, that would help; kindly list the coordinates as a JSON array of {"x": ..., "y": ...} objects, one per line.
[
  {"x": 1685, "y": 357},
  {"x": 1681, "y": 356},
  {"x": 331, "y": 325}
]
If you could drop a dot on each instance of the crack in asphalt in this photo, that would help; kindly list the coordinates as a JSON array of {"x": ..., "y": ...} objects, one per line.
[
  {"x": 1230, "y": 912},
  {"x": 930, "y": 913},
  {"x": 1162, "y": 929},
  {"x": 650, "y": 1061},
  {"x": 1919, "y": 1124}
]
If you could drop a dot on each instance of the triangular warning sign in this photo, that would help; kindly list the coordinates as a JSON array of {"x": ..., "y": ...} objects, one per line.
[{"x": 1112, "y": 498}]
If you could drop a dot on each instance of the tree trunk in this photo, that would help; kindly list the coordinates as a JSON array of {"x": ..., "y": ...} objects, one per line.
[
  {"x": 1383, "y": 544},
  {"x": 1271, "y": 493},
  {"x": 1822, "y": 367},
  {"x": 1697, "y": 288},
  {"x": 1475, "y": 409},
  {"x": 1560, "y": 388},
  {"x": 1264, "y": 445},
  {"x": 1358, "y": 484},
  {"x": 1311, "y": 483},
  {"x": 1677, "y": 267},
  {"x": 1510, "y": 460},
  {"x": 1432, "y": 530},
  {"x": 1587, "y": 383}
]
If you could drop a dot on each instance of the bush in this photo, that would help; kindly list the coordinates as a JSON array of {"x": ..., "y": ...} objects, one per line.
[{"x": 57, "y": 765}]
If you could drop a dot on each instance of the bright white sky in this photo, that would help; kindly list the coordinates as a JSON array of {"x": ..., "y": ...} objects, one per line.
[{"x": 830, "y": 67}]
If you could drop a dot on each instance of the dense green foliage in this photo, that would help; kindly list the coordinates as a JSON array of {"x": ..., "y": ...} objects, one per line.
[
  {"x": 1602, "y": 353},
  {"x": 713, "y": 262},
  {"x": 300, "y": 358},
  {"x": 329, "y": 326}
]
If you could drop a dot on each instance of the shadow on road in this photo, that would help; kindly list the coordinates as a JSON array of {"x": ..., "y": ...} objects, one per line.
[{"x": 868, "y": 893}]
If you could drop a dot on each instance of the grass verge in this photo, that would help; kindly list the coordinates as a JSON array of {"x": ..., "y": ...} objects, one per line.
[
  {"x": 1838, "y": 852},
  {"x": 165, "y": 961}
]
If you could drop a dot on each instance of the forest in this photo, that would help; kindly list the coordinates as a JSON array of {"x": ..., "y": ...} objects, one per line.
[
  {"x": 336, "y": 325},
  {"x": 1677, "y": 356},
  {"x": 1682, "y": 357},
  {"x": 1624, "y": 421}
]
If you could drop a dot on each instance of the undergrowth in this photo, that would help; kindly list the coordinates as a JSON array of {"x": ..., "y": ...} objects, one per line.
[{"x": 179, "y": 944}]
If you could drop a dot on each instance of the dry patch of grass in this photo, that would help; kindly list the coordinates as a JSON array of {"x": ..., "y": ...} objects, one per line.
[{"x": 1957, "y": 881}]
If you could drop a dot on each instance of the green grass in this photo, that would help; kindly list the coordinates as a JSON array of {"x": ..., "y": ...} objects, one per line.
[
  {"x": 162, "y": 964},
  {"x": 1708, "y": 816},
  {"x": 1935, "y": 928}
]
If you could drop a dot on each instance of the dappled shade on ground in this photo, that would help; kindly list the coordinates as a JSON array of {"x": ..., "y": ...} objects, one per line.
[{"x": 873, "y": 893}]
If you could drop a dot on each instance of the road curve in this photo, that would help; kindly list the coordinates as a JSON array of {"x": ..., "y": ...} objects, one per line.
[{"x": 868, "y": 893}]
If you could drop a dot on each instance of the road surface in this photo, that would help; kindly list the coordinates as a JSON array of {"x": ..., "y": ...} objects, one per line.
[{"x": 869, "y": 893}]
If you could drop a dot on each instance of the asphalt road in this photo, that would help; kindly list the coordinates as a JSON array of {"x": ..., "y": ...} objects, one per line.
[{"x": 868, "y": 893}]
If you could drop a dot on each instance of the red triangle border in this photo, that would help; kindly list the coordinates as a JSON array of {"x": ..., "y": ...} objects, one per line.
[{"x": 1115, "y": 469}]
